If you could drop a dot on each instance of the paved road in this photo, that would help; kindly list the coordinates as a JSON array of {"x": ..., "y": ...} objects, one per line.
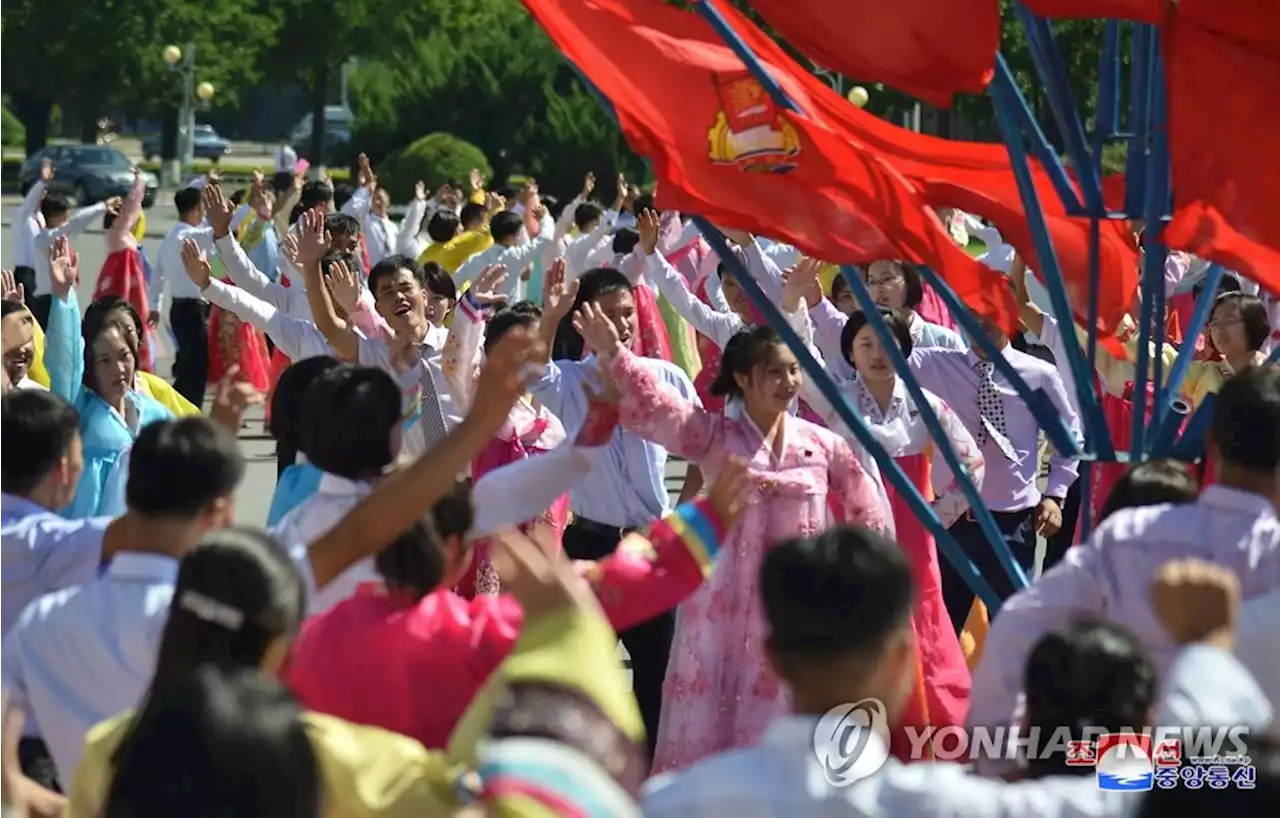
[
  {"x": 254, "y": 497},
  {"x": 241, "y": 152}
]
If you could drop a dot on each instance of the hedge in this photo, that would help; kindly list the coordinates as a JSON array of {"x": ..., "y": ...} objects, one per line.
[{"x": 433, "y": 159}]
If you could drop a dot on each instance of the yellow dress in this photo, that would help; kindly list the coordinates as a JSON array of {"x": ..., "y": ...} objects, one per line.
[
  {"x": 367, "y": 772},
  {"x": 36, "y": 371},
  {"x": 154, "y": 386},
  {"x": 451, "y": 254}
]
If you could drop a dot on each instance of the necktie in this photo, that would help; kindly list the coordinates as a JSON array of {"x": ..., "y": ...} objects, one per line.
[
  {"x": 991, "y": 408},
  {"x": 433, "y": 425}
]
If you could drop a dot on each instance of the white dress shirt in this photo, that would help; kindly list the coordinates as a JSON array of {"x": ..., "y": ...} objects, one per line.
[
  {"x": 382, "y": 236},
  {"x": 43, "y": 242},
  {"x": 1010, "y": 486},
  {"x": 169, "y": 270},
  {"x": 430, "y": 364},
  {"x": 291, "y": 300},
  {"x": 297, "y": 338},
  {"x": 783, "y": 778},
  {"x": 1110, "y": 576},
  {"x": 286, "y": 159},
  {"x": 515, "y": 258},
  {"x": 627, "y": 486},
  {"x": 26, "y": 226},
  {"x": 312, "y": 519}
]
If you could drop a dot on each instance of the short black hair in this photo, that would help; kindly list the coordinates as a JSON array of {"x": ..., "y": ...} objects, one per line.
[
  {"x": 1151, "y": 483},
  {"x": 54, "y": 204},
  {"x": 892, "y": 319},
  {"x": 644, "y": 202},
  {"x": 287, "y": 396},
  {"x": 1246, "y": 420},
  {"x": 238, "y": 196},
  {"x": 391, "y": 265},
  {"x": 335, "y": 257},
  {"x": 186, "y": 200},
  {"x": 38, "y": 429},
  {"x": 1090, "y": 674},
  {"x": 520, "y": 314},
  {"x": 438, "y": 281},
  {"x": 349, "y": 415},
  {"x": 1227, "y": 284},
  {"x": 505, "y": 225},
  {"x": 342, "y": 194},
  {"x": 1253, "y": 315},
  {"x": 625, "y": 240},
  {"x": 443, "y": 226},
  {"x": 341, "y": 224},
  {"x": 111, "y": 303},
  {"x": 314, "y": 193},
  {"x": 8, "y": 307},
  {"x": 586, "y": 215},
  {"x": 914, "y": 284},
  {"x": 601, "y": 281},
  {"x": 415, "y": 561},
  {"x": 843, "y": 592},
  {"x": 471, "y": 214},
  {"x": 179, "y": 467}
]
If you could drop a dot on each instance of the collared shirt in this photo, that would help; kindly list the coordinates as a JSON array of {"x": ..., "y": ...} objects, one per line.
[
  {"x": 627, "y": 486},
  {"x": 169, "y": 269},
  {"x": 415, "y": 398},
  {"x": 925, "y": 334},
  {"x": 383, "y": 236},
  {"x": 286, "y": 159},
  {"x": 311, "y": 520},
  {"x": 954, "y": 377},
  {"x": 43, "y": 242},
  {"x": 1111, "y": 575},
  {"x": 297, "y": 338},
  {"x": 81, "y": 655},
  {"x": 291, "y": 300},
  {"x": 43, "y": 552},
  {"x": 26, "y": 226},
  {"x": 514, "y": 258},
  {"x": 783, "y": 778}
]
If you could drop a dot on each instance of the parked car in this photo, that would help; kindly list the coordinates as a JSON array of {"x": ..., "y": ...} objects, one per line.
[
  {"x": 336, "y": 141},
  {"x": 208, "y": 144},
  {"x": 89, "y": 173},
  {"x": 337, "y": 119}
]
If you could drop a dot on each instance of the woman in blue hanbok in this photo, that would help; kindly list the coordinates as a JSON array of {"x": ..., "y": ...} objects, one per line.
[{"x": 93, "y": 368}]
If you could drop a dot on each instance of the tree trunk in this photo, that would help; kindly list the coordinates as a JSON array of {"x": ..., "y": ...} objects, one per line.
[
  {"x": 88, "y": 126},
  {"x": 169, "y": 134},
  {"x": 34, "y": 113},
  {"x": 319, "y": 100}
]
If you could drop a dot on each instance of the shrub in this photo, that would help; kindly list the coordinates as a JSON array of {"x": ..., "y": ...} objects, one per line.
[
  {"x": 433, "y": 159},
  {"x": 11, "y": 131}
]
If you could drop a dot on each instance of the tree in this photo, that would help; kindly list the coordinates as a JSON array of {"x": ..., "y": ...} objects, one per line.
[{"x": 91, "y": 55}]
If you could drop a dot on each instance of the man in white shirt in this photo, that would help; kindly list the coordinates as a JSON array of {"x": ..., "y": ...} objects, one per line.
[
  {"x": 188, "y": 311},
  {"x": 511, "y": 249},
  {"x": 58, "y": 222},
  {"x": 382, "y": 234},
  {"x": 27, "y": 224},
  {"x": 838, "y": 608},
  {"x": 286, "y": 164}
]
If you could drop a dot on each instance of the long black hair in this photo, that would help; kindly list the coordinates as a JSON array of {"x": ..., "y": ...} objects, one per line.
[{"x": 747, "y": 350}]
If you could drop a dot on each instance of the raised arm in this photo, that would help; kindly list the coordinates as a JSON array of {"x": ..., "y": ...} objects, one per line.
[
  {"x": 647, "y": 406},
  {"x": 121, "y": 232},
  {"x": 75, "y": 225},
  {"x": 27, "y": 210},
  {"x": 313, "y": 244},
  {"x": 462, "y": 349},
  {"x": 718, "y": 326},
  {"x": 63, "y": 346},
  {"x": 244, "y": 273}
]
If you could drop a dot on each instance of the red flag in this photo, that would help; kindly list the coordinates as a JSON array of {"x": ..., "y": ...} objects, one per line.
[
  {"x": 975, "y": 177},
  {"x": 722, "y": 149},
  {"x": 925, "y": 48},
  {"x": 1224, "y": 137}
]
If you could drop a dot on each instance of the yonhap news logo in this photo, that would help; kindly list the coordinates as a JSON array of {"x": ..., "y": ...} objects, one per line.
[{"x": 852, "y": 741}]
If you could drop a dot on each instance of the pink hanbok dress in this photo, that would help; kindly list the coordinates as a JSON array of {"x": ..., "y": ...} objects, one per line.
[
  {"x": 941, "y": 695},
  {"x": 530, "y": 430},
  {"x": 719, "y": 692}
]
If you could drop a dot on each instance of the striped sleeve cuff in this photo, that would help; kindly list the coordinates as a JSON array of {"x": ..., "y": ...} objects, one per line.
[
  {"x": 474, "y": 311},
  {"x": 698, "y": 525}
]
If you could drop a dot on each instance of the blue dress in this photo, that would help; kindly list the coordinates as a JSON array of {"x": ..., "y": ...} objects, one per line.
[{"x": 104, "y": 434}]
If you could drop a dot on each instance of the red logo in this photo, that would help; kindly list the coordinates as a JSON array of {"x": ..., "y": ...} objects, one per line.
[
  {"x": 1169, "y": 753},
  {"x": 1081, "y": 754}
]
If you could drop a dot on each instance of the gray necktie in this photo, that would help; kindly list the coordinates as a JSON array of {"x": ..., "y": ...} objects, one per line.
[
  {"x": 991, "y": 408},
  {"x": 434, "y": 428}
]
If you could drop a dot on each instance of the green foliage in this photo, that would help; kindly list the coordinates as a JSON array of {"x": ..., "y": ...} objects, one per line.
[
  {"x": 93, "y": 55},
  {"x": 12, "y": 134},
  {"x": 433, "y": 159}
]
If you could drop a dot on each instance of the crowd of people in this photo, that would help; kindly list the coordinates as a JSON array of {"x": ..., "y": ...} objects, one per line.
[{"x": 474, "y": 410}]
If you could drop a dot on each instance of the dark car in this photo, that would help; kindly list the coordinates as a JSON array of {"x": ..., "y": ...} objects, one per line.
[
  {"x": 208, "y": 145},
  {"x": 337, "y": 144},
  {"x": 89, "y": 173}
]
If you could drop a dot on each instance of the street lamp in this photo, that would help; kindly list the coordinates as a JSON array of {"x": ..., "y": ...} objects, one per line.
[{"x": 185, "y": 65}]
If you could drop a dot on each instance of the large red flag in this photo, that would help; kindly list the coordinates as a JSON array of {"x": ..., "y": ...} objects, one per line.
[
  {"x": 975, "y": 177},
  {"x": 923, "y": 47},
  {"x": 1224, "y": 140},
  {"x": 722, "y": 149}
]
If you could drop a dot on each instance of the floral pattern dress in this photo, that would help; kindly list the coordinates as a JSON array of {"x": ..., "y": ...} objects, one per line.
[
  {"x": 719, "y": 692},
  {"x": 941, "y": 694}
]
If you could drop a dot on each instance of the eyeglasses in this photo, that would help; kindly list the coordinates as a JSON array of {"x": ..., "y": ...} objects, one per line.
[
  {"x": 1224, "y": 323},
  {"x": 873, "y": 283}
]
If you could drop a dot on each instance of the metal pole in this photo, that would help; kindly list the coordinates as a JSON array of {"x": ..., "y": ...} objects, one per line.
[{"x": 189, "y": 107}]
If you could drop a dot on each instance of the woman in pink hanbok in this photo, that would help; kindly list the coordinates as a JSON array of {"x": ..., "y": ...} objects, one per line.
[
  {"x": 941, "y": 695},
  {"x": 719, "y": 692},
  {"x": 530, "y": 429}
]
